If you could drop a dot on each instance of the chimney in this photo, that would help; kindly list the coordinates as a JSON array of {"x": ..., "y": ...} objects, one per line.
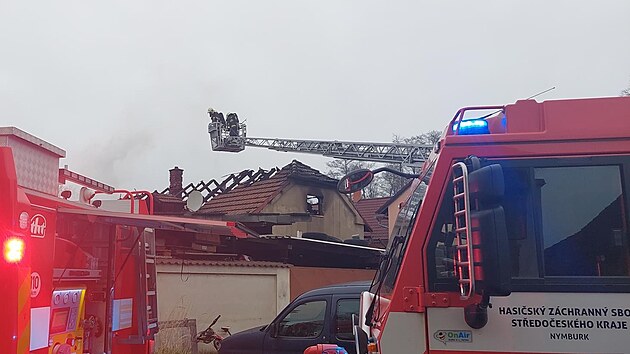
[{"x": 176, "y": 177}]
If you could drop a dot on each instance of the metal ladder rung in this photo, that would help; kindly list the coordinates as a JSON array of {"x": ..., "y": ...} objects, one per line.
[{"x": 460, "y": 212}]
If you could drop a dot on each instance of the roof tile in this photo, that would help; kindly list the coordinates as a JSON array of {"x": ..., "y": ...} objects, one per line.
[{"x": 368, "y": 209}]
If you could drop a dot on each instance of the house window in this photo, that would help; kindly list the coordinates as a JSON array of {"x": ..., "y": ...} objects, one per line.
[{"x": 314, "y": 204}]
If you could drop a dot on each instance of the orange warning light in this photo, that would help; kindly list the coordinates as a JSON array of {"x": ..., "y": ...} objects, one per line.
[{"x": 13, "y": 249}]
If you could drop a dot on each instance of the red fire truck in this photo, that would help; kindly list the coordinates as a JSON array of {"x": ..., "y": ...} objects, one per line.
[
  {"x": 77, "y": 275},
  {"x": 521, "y": 243}
]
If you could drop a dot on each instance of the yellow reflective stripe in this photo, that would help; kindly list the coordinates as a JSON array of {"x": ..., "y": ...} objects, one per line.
[
  {"x": 24, "y": 312},
  {"x": 24, "y": 339},
  {"x": 24, "y": 292}
]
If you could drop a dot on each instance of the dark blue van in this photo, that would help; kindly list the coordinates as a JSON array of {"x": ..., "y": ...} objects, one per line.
[{"x": 318, "y": 316}]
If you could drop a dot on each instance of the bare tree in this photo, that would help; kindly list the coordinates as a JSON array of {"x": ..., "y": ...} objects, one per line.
[
  {"x": 338, "y": 168},
  {"x": 626, "y": 92},
  {"x": 384, "y": 184},
  {"x": 429, "y": 138},
  {"x": 392, "y": 183}
]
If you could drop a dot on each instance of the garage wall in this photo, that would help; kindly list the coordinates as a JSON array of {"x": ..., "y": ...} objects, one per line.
[
  {"x": 308, "y": 278},
  {"x": 245, "y": 294}
]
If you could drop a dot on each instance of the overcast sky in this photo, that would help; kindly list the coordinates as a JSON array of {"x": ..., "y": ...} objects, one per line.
[{"x": 124, "y": 87}]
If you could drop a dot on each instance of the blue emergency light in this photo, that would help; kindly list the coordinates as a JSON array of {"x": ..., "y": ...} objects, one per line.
[{"x": 472, "y": 127}]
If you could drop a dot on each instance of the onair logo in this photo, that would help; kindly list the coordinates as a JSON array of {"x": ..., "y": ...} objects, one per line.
[
  {"x": 446, "y": 336},
  {"x": 38, "y": 226}
]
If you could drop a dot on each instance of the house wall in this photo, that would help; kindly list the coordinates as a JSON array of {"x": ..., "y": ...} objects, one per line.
[
  {"x": 244, "y": 296},
  {"x": 339, "y": 218},
  {"x": 394, "y": 208}
]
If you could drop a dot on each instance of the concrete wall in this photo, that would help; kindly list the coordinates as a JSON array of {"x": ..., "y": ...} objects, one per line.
[
  {"x": 339, "y": 217},
  {"x": 244, "y": 296}
]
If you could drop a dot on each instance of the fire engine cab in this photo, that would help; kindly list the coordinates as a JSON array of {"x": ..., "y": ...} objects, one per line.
[
  {"x": 77, "y": 275},
  {"x": 521, "y": 243}
]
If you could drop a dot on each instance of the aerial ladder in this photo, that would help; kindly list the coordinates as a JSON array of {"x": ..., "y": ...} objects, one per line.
[{"x": 231, "y": 136}]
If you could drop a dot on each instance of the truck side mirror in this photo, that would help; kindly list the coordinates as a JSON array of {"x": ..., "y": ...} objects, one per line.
[
  {"x": 486, "y": 185},
  {"x": 361, "y": 178},
  {"x": 493, "y": 275},
  {"x": 355, "y": 181},
  {"x": 492, "y": 257},
  {"x": 488, "y": 238}
]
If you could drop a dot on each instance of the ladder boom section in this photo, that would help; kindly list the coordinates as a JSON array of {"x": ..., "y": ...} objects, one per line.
[
  {"x": 232, "y": 137},
  {"x": 406, "y": 154}
]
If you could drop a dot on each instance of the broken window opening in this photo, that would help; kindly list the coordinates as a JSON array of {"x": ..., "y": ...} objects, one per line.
[{"x": 314, "y": 204}]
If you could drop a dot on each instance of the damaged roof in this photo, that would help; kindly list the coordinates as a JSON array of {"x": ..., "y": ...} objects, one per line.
[
  {"x": 252, "y": 198},
  {"x": 213, "y": 188}
]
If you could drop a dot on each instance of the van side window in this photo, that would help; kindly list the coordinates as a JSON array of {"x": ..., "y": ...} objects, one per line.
[
  {"x": 343, "y": 322},
  {"x": 304, "y": 321}
]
